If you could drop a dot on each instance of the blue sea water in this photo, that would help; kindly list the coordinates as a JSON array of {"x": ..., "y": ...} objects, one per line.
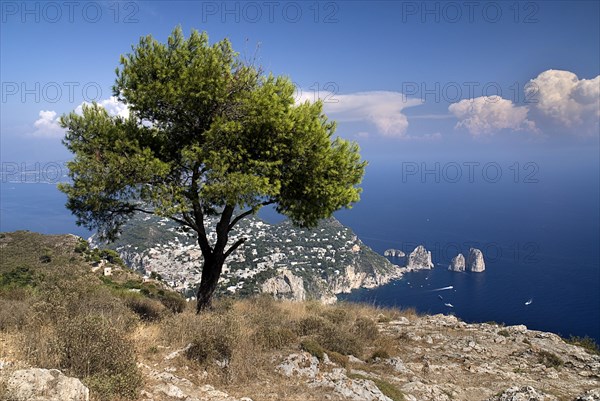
[{"x": 540, "y": 240}]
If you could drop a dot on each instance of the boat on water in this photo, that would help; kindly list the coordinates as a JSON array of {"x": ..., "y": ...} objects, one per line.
[
  {"x": 449, "y": 305},
  {"x": 529, "y": 302}
]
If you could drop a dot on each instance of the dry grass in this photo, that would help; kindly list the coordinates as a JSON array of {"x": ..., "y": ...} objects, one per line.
[
  {"x": 57, "y": 314},
  {"x": 236, "y": 341}
]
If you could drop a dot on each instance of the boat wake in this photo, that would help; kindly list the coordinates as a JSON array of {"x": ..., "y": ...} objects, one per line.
[{"x": 450, "y": 287}]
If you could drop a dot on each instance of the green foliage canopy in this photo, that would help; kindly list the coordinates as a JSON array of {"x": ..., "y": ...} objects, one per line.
[{"x": 207, "y": 134}]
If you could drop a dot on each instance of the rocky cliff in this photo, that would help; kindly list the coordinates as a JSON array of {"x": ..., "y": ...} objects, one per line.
[
  {"x": 458, "y": 263},
  {"x": 419, "y": 258},
  {"x": 475, "y": 262},
  {"x": 394, "y": 253},
  {"x": 281, "y": 259}
]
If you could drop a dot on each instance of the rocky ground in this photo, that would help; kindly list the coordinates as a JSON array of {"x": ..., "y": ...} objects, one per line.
[
  {"x": 442, "y": 358},
  {"x": 437, "y": 358}
]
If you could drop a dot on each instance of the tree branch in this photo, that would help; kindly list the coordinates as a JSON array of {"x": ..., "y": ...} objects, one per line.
[
  {"x": 207, "y": 250},
  {"x": 235, "y": 246},
  {"x": 247, "y": 213},
  {"x": 223, "y": 228}
]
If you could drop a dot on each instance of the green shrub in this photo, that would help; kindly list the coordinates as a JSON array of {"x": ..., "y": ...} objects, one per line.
[
  {"x": 147, "y": 309},
  {"x": 82, "y": 246},
  {"x": 336, "y": 357},
  {"x": 274, "y": 337},
  {"x": 111, "y": 256},
  {"x": 504, "y": 333},
  {"x": 310, "y": 325},
  {"x": 216, "y": 338},
  {"x": 313, "y": 348},
  {"x": 388, "y": 389},
  {"x": 379, "y": 353},
  {"x": 155, "y": 276},
  {"x": 586, "y": 342},
  {"x": 337, "y": 315},
  {"x": 18, "y": 277},
  {"x": 339, "y": 339},
  {"x": 172, "y": 301}
]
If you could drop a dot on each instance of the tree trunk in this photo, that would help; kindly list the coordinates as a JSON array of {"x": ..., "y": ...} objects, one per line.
[{"x": 211, "y": 271}]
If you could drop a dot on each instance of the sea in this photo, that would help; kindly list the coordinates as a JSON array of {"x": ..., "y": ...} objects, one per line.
[{"x": 539, "y": 233}]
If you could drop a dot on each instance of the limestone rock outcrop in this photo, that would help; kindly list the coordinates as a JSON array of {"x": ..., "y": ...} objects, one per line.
[
  {"x": 475, "y": 262},
  {"x": 420, "y": 258},
  {"x": 334, "y": 378},
  {"x": 590, "y": 395},
  {"x": 285, "y": 286},
  {"x": 522, "y": 394},
  {"x": 457, "y": 264},
  {"x": 394, "y": 253},
  {"x": 45, "y": 385}
]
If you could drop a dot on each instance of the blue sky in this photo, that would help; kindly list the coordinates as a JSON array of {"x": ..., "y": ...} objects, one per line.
[{"x": 404, "y": 79}]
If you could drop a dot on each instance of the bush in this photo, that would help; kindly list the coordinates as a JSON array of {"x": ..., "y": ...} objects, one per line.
[
  {"x": 274, "y": 337},
  {"x": 173, "y": 302},
  {"x": 147, "y": 309},
  {"x": 379, "y": 353},
  {"x": 388, "y": 389},
  {"x": 339, "y": 339},
  {"x": 216, "y": 338},
  {"x": 82, "y": 246},
  {"x": 337, "y": 315},
  {"x": 111, "y": 256},
  {"x": 310, "y": 325},
  {"x": 91, "y": 347},
  {"x": 586, "y": 342},
  {"x": 366, "y": 329},
  {"x": 313, "y": 348},
  {"x": 18, "y": 277},
  {"x": 336, "y": 357},
  {"x": 549, "y": 359}
]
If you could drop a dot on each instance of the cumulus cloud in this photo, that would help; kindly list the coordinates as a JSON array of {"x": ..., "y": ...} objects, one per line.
[
  {"x": 112, "y": 106},
  {"x": 380, "y": 108},
  {"x": 47, "y": 125},
  {"x": 487, "y": 115},
  {"x": 563, "y": 98},
  {"x": 558, "y": 102}
]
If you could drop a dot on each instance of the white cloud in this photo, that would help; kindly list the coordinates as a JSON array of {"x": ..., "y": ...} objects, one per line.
[
  {"x": 112, "y": 106},
  {"x": 47, "y": 126},
  {"x": 381, "y": 108},
  {"x": 487, "y": 115},
  {"x": 563, "y": 98}
]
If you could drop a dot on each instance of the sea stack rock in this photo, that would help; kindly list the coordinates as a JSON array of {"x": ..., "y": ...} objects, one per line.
[
  {"x": 420, "y": 258},
  {"x": 394, "y": 253},
  {"x": 458, "y": 263},
  {"x": 475, "y": 262}
]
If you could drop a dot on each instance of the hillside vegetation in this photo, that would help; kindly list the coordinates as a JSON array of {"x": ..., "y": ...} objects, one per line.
[{"x": 127, "y": 339}]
